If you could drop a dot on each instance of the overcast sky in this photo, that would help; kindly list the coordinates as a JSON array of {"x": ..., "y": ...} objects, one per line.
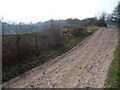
[{"x": 42, "y": 10}]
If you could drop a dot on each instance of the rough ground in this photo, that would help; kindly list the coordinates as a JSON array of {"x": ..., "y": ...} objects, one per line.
[{"x": 85, "y": 65}]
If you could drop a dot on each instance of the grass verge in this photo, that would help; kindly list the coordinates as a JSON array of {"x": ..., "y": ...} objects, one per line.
[
  {"x": 112, "y": 26},
  {"x": 113, "y": 80}
]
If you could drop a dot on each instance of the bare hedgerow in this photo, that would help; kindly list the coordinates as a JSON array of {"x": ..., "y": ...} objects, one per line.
[{"x": 18, "y": 47}]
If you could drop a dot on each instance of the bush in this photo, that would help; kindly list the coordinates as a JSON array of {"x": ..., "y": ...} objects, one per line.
[
  {"x": 101, "y": 23},
  {"x": 77, "y": 31}
]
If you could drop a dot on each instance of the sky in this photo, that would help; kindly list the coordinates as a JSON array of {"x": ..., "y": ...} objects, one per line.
[{"x": 43, "y": 10}]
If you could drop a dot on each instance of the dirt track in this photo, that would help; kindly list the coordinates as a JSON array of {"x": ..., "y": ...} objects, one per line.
[{"x": 85, "y": 65}]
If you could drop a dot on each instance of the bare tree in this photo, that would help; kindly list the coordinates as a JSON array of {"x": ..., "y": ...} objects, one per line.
[{"x": 101, "y": 19}]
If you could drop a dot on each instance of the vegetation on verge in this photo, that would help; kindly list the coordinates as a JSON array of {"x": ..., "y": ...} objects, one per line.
[{"x": 113, "y": 80}]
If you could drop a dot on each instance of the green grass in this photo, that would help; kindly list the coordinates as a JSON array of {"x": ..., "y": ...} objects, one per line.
[
  {"x": 113, "y": 80},
  {"x": 112, "y": 26},
  {"x": 21, "y": 67},
  {"x": 91, "y": 29}
]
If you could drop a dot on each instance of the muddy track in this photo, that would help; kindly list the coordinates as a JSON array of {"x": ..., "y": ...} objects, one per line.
[{"x": 85, "y": 65}]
